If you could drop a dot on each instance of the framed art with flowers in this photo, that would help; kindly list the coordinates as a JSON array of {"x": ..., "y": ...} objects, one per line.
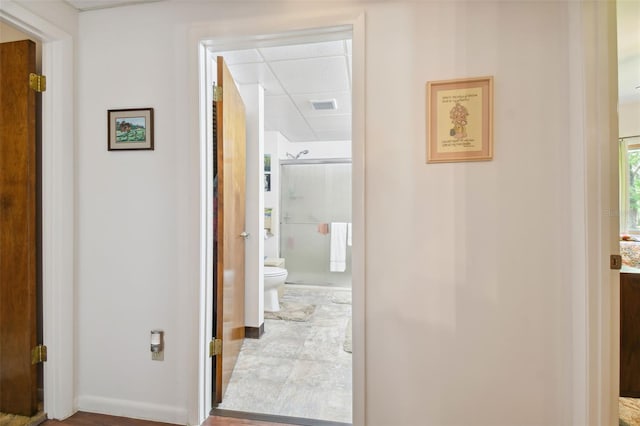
[{"x": 460, "y": 120}]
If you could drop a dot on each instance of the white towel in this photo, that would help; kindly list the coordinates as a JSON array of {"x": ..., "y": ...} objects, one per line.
[
  {"x": 349, "y": 234},
  {"x": 338, "y": 250}
]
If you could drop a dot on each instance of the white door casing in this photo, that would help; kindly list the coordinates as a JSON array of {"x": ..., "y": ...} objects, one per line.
[
  {"x": 58, "y": 227},
  {"x": 206, "y": 38}
]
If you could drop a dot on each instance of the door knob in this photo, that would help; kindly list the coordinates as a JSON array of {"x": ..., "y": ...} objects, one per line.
[{"x": 244, "y": 234}]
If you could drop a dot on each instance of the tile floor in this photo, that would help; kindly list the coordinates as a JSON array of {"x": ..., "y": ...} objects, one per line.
[
  {"x": 629, "y": 409},
  {"x": 298, "y": 369}
]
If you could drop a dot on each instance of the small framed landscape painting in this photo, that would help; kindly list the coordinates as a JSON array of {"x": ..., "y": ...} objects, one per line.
[{"x": 130, "y": 129}]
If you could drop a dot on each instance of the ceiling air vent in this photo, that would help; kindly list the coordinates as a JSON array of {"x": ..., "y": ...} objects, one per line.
[{"x": 325, "y": 105}]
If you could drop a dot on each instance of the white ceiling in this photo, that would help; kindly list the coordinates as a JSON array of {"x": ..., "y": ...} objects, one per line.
[{"x": 292, "y": 77}]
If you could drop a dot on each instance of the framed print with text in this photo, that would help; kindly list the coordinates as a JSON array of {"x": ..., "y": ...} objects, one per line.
[{"x": 460, "y": 120}]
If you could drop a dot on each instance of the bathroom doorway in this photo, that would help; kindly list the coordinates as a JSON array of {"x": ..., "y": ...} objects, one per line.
[{"x": 284, "y": 338}]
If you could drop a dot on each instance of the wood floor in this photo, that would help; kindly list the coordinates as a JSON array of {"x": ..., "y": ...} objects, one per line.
[
  {"x": 228, "y": 421},
  {"x": 89, "y": 419}
]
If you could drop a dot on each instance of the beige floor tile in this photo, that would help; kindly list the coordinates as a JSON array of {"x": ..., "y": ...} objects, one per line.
[{"x": 298, "y": 369}]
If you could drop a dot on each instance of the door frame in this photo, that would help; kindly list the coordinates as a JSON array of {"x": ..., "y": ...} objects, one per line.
[
  {"x": 594, "y": 178},
  {"x": 58, "y": 171},
  {"x": 245, "y": 34}
]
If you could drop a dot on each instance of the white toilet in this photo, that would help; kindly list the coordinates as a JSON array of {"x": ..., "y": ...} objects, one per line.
[{"x": 274, "y": 277}]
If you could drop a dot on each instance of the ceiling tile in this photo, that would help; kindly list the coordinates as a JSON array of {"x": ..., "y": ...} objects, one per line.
[
  {"x": 343, "y": 101},
  {"x": 313, "y": 75},
  {"x": 313, "y": 50},
  {"x": 629, "y": 79},
  {"x": 333, "y": 135},
  {"x": 330, "y": 122},
  {"x": 256, "y": 73},
  {"x": 282, "y": 115},
  {"x": 316, "y": 71},
  {"x": 246, "y": 56}
]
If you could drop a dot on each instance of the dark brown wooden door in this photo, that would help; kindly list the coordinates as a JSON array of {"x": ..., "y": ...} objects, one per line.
[
  {"x": 18, "y": 263},
  {"x": 630, "y": 335},
  {"x": 231, "y": 163}
]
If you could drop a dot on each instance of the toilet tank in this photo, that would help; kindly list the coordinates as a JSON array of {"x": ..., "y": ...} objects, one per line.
[{"x": 278, "y": 262}]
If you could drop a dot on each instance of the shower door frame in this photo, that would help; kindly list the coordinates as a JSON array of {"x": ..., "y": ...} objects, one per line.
[{"x": 303, "y": 162}]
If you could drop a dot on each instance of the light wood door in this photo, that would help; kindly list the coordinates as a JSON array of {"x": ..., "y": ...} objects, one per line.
[
  {"x": 231, "y": 163},
  {"x": 18, "y": 233}
]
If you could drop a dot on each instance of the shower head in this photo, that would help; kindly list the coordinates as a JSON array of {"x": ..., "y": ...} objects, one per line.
[{"x": 306, "y": 151}]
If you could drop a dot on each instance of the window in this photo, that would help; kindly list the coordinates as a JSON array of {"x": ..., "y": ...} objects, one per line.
[{"x": 630, "y": 185}]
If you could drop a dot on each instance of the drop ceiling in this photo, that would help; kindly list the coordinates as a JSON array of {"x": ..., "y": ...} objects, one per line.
[{"x": 293, "y": 78}]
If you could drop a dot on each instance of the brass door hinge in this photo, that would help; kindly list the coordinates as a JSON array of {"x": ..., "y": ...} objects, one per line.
[
  {"x": 615, "y": 261},
  {"x": 38, "y": 82},
  {"x": 215, "y": 347},
  {"x": 39, "y": 354},
  {"x": 217, "y": 93}
]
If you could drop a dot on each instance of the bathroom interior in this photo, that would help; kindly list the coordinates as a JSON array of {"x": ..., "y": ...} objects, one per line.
[
  {"x": 628, "y": 14},
  {"x": 297, "y": 96}
]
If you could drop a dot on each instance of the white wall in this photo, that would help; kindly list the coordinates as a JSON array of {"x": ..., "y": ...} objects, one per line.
[
  {"x": 321, "y": 149},
  {"x": 628, "y": 116},
  {"x": 273, "y": 142},
  {"x": 56, "y": 12},
  {"x": 10, "y": 33},
  {"x": 465, "y": 263},
  {"x": 253, "y": 98},
  {"x": 131, "y": 253}
]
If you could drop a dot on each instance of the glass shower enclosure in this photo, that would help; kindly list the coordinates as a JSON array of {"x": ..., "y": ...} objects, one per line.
[{"x": 315, "y": 198}]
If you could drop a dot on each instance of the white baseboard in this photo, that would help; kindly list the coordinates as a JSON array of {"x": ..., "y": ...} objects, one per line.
[{"x": 132, "y": 409}]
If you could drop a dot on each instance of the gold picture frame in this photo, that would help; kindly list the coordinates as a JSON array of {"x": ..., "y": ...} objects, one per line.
[{"x": 460, "y": 120}]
